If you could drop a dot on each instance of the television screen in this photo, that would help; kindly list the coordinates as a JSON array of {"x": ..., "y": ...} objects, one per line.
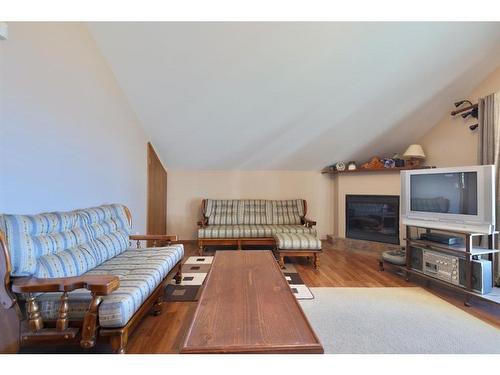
[{"x": 452, "y": 193}]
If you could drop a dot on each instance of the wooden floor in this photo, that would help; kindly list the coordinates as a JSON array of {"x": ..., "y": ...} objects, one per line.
[{"x": 338, "y": 268}]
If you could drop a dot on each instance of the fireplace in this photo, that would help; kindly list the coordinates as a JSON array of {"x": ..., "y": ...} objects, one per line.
[{"x": 373, "y": 218}]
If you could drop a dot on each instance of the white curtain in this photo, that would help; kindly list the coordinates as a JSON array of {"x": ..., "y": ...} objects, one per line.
[{"x": 489, "y": 147}]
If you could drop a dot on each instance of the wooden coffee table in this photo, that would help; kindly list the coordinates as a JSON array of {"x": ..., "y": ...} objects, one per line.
[{"x": 247, "y": 306}]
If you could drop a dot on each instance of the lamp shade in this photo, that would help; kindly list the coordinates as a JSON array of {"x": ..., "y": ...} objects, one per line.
[{"x": 414, "y": 152}]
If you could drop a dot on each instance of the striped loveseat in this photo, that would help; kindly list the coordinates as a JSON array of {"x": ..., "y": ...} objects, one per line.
[
  {"x": 251, "y": 221},
  {"x": 83, "y": 267}
]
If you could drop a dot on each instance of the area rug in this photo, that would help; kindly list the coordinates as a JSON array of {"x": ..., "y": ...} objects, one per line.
[
  {"x": 194, "y": 273},
  {"x": 299, "y": 288},
  {"x": 395, "y": 320}
]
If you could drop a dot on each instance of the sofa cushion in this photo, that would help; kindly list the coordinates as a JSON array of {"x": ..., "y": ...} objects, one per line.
[
  {"x": 297, "y": 241},
  {"x": 32, "y": 236},
  {"x": 109, "y": 230},
  {"x": 250, "y": 231},
  {"x": 286, "y": 212},
  {"x": 224, "y": 212},
  {"x": 64, "y": 244},
  {"x": 254, "y": 211},
  {"x": 69, "y": 262},
  {"x": 140, "y": 272}
]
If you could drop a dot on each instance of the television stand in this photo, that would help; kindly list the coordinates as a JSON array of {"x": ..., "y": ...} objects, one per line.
[
  {"x": 468, "y": 252},
  {"x": 451, "y": 265}
]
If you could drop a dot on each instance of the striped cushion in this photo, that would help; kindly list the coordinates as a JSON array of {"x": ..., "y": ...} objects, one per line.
[
  {"x": 254, "y": 211},
  {"x": 70, "y": 262},
  {"x": 297, "y": 241},
  {"x": 250, "y": 231},
  {"x": 224, "y": 212},
  {"x": 140, "y": 272},
  {"x": 64, "y": 244},
  {"x": 287, "y": 212}
]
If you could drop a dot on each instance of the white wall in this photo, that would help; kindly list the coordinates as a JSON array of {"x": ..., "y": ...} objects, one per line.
[
  {"x": 450, "y": 143},
  {"x": 186, "y": 189},
  {"x": 68, "y": 137}
]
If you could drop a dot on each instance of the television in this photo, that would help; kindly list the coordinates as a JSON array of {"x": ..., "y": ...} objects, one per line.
[{"x": 460, "y": 198}]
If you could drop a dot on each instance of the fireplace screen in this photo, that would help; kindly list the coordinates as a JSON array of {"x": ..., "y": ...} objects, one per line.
[{"x": 373, "y": 218}]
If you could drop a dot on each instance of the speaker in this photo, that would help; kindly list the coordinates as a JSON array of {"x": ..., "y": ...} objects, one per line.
[
  {"x": 416, "y": 260},
  {"x": 481, "y": 275}
]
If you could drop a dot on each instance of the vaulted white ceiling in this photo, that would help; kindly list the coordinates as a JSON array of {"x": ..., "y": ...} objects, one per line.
[{"x": 292, "y": 95}]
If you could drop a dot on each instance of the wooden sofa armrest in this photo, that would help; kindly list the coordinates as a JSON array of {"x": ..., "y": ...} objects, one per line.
[
  {"x": 153, "y": 240},
  {"x": 97, "y": 284},
  {"x": 203, "y": 223},
  {"x": 153, "y": 237},
  {"x": 308, "y": 223}
]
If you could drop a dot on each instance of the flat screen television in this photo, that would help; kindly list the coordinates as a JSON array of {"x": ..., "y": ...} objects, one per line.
[{"x": 460, "y": 198}]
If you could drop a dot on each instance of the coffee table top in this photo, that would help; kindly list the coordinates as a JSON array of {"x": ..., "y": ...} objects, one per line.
[{"x": 247, "y": 306}]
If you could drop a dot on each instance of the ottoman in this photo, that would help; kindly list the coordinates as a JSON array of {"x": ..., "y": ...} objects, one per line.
[{"x": 298, "y": 245}]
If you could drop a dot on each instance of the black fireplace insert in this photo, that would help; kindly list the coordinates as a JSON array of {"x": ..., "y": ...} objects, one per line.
[{"x": 373, "y": 218}]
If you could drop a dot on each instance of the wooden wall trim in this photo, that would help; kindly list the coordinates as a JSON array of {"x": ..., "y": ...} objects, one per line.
[{"x": 156, "y": 217}]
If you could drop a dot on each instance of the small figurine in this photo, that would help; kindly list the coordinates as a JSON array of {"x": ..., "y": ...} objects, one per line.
[
  {"x": 351, "y": 166},
  {"x": 388, "y": 163},
  {"x": 340, "y": 166}
]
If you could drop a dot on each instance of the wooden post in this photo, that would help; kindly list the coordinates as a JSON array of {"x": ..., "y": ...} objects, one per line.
[
  {"x": 200, "y": 247},
  {"x": 316, "y": 260},
  {"x": 282, "y": 261},
  {"x": 119, "y": 342},
  {"x": 89, "y": 327},
  {"x": 35, "y": 321},
  {"x": 62, "y": 319}
]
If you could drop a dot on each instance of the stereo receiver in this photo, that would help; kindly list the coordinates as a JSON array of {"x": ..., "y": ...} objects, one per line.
[{"x": 452, "y": 269}]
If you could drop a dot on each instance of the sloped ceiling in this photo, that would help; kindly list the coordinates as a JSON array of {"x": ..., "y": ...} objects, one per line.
[{"x": 292, "y": 95}]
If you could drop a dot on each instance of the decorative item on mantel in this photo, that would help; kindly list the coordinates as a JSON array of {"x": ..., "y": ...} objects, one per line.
[
  {"x": 340, "y": 166},
  {"x": 398, "y": 161},
  {"x": 388, "y": 163},
  {"x": 351, "y": 166},
  {"x": 413, "y": 155},
  {"x": 374, "y": 163}
]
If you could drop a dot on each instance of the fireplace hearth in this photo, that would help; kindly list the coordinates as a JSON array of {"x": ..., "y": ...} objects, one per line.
[{"x": 373, "y": 218}]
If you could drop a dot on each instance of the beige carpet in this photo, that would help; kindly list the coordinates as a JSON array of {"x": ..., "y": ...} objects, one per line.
[{"x": 395, "y": 320}]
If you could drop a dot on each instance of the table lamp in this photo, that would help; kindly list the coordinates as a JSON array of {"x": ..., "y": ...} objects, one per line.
[{"x": 413, "y": 155}]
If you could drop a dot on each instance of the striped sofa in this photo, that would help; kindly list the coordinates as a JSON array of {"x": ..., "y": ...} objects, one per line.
[
  {"x": 87, "y": 244},
  {"x": 251, "y": 221}
]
